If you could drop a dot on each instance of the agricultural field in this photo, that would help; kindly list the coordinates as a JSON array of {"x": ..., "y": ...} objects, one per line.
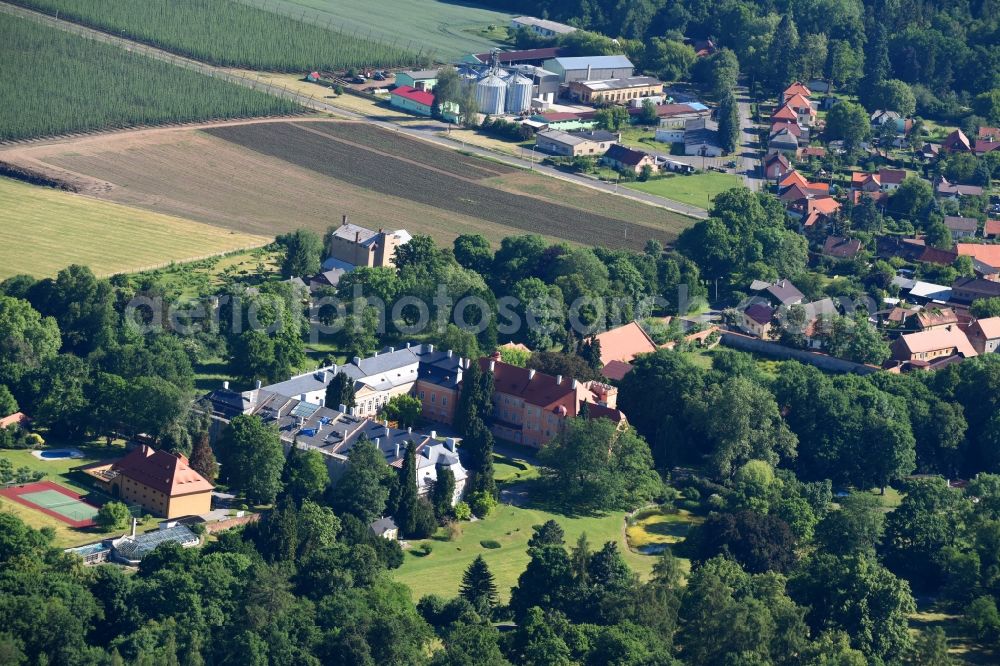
[
  {"x": 233, "y": 34},
  {"x": 697, "y": 190},
  {"x": 63, "y": 82},
  {"x": 449, "y": 30},
  {"x": 265, "y": 178},
  {"x": 372, "y": 158},
  {"x": 46, "y": 230},
  {"x": 440, "y": 572}
]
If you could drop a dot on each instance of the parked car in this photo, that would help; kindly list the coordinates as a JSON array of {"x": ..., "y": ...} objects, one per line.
[
  {"x": 359, "y": 79},
  {"x": 379, "y": 76},
  {"x": 731, "y": 164}
]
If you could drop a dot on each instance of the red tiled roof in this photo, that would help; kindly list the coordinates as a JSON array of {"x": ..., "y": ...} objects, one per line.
[
  {"x": 536, "y": 388},
  {"x": 983, "y": 146},
  {"x": 859, "y": 178},
  {"x": 891, "y": 176},
  {"x": 988, "y": 133},
  {"x": 988, "y": 328},
  {"x": 798, "y": 102},
  {"x": 793, "y": 178},
  {"x": 624, "y": 343},
  {"x": 956, "y": 141},
  {"x": 988, "y": 254},
  {"x": 825, "y": 205},
  {"x": 992, "y": 228},
  {"x": 414, "y": 95},
  {"x": 785, "y": 112},
  {"x": 164, "y": 472},
  {"x": 17, "y": 418},
  {"x": 616, "y": 370},
  {"x": 814, "y": 151},
  {"x": 797, "y": 88},
  {"x": 842, "y": 248},
  {"x": 933, "y": 255}
]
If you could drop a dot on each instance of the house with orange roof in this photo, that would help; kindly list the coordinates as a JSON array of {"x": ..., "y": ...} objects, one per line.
[
  {"x": 797, "y": 88},
  {"x": 988, "y": 254},
  {"x": 793, "y": 178},
  {"x": 984, "y": 334},
  {"x": 162, "y": 483},
  {"x": 890, "y": 179},
  {"x": 991, "y": 229},
  {"x": 929, "y": 345},
  {"x": 805, "y": 114},
  {"x": 19, "y": 419},
  {"x": 786, "y": 114},
  {"x": 623, "y": 344},
  {"x": 865, "y": 182},
  {"x": 933, "y": 318}
]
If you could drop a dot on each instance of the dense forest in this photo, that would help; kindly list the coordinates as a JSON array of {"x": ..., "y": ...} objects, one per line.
[{"x": 945, "y": 51}]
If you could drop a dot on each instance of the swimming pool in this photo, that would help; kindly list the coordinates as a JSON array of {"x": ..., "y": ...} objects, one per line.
[{"x": 57, "y": 454}]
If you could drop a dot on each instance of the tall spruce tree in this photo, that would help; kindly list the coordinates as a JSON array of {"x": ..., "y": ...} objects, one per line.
[{"x": 479, "y": 587}]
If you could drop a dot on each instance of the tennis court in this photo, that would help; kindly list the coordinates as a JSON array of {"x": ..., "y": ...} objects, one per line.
[{"x": 54, "y": 500}]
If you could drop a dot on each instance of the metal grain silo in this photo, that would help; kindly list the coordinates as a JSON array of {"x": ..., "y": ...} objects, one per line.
[
  {"x": 491, "y": 95},
  {"x": 519, "y": 90}
]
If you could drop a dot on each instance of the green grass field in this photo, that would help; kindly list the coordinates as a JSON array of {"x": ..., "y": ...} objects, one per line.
[
  {"x": 448, "y": 30},
  {"x": 46, "y": 230},
  {"x": 697, "y": 190},
  {"x": 441, "y": 571}
]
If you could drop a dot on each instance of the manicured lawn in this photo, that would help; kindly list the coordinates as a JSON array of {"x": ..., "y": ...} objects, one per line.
[
  {"x": 47, "y": 230},
  {"x": 659, "y": 527},
  {"x": 441, "y": 571},
  {"x": 510, "y": 469},
  {"x": 697, "y": 190}
]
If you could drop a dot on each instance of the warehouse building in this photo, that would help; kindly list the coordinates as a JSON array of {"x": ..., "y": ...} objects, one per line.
[
  {"x": 591, "y": 68},
  {"x": 542, "y": 27}
]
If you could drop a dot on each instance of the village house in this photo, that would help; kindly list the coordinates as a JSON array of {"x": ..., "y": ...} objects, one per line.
[
  {"x": 961, "y": 227},
  {"x": 991, "y": 229},
  {"x": 408, "y": 98},
  {"x": 956, "y": 142},
  {"x": 575, "y": 144},
  {"x": 530, "y": 407},
  {"x": 784, "y": 140},
  {"x": 987, "y": 140},
  {"x": 988, "y": 255},
  {"x": 162, "y": 483},
  {"x": 837, "y": 247},
  {"x": 934, "y": 344},
  {"x": 814, "y": 213},
  {"x": 777, "y": 166},
  {"x": 386, "y": 528},
  {"x": 797, "y": 88},
  {"x": 622, "y": 158},
  {"x": 984, "y": 334},
  {"x": 352, "y": 245},
  {"x": 807, "y": 320},
  {"x": 701, "y": 137},
  {"x": 756, "y": 320},
  {"x": 949, "y": 190},
  {"x": 782, "y": 292},
  {"x": 933, "y": 318},
  {"x": 968, "y": 289}
]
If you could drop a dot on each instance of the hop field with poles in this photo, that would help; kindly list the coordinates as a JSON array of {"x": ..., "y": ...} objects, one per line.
[
  {"x": 230, "y": 34},
  {"x": 55, "y": 82}
]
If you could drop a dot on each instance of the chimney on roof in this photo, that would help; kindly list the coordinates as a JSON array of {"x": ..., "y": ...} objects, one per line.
[
  {"x": 333, "y": 370},
  {"x": 450, "y": 443},
  {"x": 392, "y": 349},
  {"x": 342, "y": 408},
  {"x": 257, "y": 384},
  {"x": 326, "y": 377},
  {"x": 559, "y": 380},
  {"x": 493, "y": 365},
  {"x": 430, "y": 348},
  {"x": 588, "y": 71},
  {"x": 225, "y": 385},
  {"x": 378, "y": 441},
  {"x": 409, "y": 430},
  {"x": 357, "y": 236},
  {"x": 531, "y": 374},
  {"x": 576, "y": 383},
  {"x": 343, "y": 219},
  {"x": 407, "y": 345},
  {"x": 434, "y": 434},
  {"x": 375, "y": 354},
  {"x": 134, "y": 521},
  {"x": 449, "y": 353},
  {"x": 397, "y": 449},
  {"x": 356, "y": 360}
]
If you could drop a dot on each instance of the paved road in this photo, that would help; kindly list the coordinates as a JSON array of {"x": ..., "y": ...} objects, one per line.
[
  {"x": 749, "y": 150},
  {"x": 427, "y": 131}
]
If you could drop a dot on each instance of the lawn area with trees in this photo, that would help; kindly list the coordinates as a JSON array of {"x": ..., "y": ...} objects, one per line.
[
  {"x": 440, "y": 572},
  {"x": 697, "y": 190}
]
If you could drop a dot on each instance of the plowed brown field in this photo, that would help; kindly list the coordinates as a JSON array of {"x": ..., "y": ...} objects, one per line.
[{"x": 269, "y": 177}]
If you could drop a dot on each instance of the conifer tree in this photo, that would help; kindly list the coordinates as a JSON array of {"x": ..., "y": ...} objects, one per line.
[{"x": 479, "y": 587}]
